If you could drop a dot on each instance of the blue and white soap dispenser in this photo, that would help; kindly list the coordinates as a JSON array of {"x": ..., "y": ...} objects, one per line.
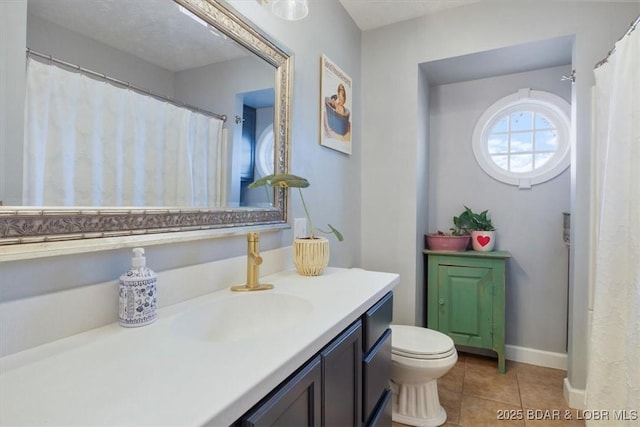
[{"x": 138, "y": 293}]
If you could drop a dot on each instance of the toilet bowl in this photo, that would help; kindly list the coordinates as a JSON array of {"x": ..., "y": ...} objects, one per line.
[{"x": 419, "y": 357}]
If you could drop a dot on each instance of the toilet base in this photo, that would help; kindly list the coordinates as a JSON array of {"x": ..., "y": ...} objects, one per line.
[{"x": 417, "y": 404}]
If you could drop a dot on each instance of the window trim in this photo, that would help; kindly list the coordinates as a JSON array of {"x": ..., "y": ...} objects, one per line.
[{"x": 555, "y": 108}]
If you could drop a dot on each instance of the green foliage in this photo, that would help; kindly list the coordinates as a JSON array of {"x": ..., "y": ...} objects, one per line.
[
  {"x": 284, "y": 180},
  {"x": 469, "y": 221},
  {"x": 462, "y": 224}
]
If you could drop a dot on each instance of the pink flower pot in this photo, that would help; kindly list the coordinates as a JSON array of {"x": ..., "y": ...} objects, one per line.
[{"x": 446, "y": 242}]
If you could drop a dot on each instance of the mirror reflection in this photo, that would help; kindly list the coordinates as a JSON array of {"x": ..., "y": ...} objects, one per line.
[
  {"x": 219, "y": 86},
  {"x": 140, "y": 104}
]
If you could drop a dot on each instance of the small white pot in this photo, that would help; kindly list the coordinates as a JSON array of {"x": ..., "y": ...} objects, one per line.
[
  {"x": 483, "y": 241},
  {"x": 311, "y": 256}
]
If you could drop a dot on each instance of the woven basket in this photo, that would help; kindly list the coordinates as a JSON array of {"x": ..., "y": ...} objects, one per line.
[{"x": 311, "y": 256}]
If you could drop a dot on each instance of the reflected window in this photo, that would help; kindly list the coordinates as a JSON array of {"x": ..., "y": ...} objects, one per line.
[{"x": 265, "y": 152}]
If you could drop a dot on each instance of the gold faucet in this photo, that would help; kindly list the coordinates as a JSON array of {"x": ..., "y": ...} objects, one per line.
[{"x": 253, "y": 266}]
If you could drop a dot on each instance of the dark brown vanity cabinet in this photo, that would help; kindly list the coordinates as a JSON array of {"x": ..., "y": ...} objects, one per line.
[{"x": 346, "y": 384}]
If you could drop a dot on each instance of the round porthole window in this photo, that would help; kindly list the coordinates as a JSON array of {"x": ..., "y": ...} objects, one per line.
[{"x": 523, "y": 139}]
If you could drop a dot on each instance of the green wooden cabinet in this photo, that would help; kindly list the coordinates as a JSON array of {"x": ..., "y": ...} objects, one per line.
[{"x": 465, "y": 298}]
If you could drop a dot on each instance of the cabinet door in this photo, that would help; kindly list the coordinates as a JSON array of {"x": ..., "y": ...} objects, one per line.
[
  {"x": 341, "y": 374},
  {"x": 465, "y": 298},
  {"x": 296, "y": 403}
]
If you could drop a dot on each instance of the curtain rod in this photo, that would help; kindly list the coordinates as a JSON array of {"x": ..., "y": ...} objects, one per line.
[
  {"x": 632, "y": 27},
  {"x": 124, "y": 84}
]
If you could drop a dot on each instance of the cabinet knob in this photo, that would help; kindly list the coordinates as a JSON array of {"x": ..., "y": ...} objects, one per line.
[{"x": 441, "y": 302}]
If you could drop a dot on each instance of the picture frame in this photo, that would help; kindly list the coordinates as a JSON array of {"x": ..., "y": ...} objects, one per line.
[{"x": 336, "y": 89}]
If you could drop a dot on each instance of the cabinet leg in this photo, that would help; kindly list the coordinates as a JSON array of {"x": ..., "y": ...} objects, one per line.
[{"x": 502, "y": 368}]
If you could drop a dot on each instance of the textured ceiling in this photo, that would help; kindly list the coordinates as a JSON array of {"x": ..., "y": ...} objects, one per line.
[{"x": 153, "y": 30}]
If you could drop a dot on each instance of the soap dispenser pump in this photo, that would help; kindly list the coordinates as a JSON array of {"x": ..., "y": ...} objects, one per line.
[{"x": 138, "y": 293}]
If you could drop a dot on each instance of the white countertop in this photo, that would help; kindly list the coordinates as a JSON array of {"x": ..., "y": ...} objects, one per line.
[{"x": 156, "y": 375}]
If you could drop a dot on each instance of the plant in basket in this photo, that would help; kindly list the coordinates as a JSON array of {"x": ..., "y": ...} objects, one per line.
[{"x": 311, "y": 253}]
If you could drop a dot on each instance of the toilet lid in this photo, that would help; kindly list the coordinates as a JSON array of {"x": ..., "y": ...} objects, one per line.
[{"x": 420, "y": 343}]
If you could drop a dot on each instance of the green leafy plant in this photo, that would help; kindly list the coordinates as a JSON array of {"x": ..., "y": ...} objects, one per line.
[
  {"x": 462, "y": 224},
  {"x": 294, "y": 181},
  {"x": 473, "y": 221}
]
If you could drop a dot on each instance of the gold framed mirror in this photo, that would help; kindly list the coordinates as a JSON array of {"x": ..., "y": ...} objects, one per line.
[{"x": 20, "y": 225}]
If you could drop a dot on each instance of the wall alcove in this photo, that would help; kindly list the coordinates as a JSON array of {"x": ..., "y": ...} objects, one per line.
[{"x": 456, "y": 93}]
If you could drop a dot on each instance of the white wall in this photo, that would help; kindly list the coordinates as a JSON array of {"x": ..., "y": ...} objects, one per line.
[
  {"x": 528, "y": 222},
  {"x": 393, "y": 164}
]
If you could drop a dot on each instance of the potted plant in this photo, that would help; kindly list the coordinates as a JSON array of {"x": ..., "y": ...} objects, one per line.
[
  {"x": 456, "y": 240},
  {"x": 311, "y": 253},
  {"x": 483, "y": 235}
]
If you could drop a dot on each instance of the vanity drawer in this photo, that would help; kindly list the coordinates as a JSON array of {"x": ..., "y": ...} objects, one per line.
[
  {"x": 377, "y": 320},
  {"x": 381, "y": 417},
  {"x": 376, "y": 374}
]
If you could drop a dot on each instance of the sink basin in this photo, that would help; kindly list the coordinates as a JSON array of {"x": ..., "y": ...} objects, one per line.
[{"x": 242, "y": 316}]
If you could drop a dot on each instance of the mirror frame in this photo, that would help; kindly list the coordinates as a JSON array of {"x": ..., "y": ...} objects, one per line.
[{"x": 26, "y": 225}]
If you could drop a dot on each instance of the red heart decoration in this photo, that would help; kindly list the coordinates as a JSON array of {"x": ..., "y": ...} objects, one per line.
[{"x": 483, "y": 240}]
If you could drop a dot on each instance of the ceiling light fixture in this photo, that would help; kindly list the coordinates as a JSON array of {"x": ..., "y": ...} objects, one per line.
[{"x": 291, "y": 10}]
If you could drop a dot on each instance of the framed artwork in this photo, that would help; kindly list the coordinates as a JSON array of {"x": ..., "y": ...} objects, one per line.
[{"x": 335, "y": 107}]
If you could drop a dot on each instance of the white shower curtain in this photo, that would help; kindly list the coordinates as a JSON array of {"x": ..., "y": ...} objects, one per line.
[
  {"x": 613, "y": 381},
  {"x": 90, "y": 143}
]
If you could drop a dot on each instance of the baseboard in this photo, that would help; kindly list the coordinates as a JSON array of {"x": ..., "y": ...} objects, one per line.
[
  {"x": 533, "y": 356},
  {"x": 575, "y": 397}
]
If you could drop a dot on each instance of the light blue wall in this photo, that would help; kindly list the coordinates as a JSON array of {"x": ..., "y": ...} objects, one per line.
[
  {"x": 52, "y": 39},
  {"x": 335, "y": 181},
  {"x": 528, "y": 222},
  {"x": 375, "y": 195},
  {"x": 12, "y": 87},
  {"x": 226, "y": 80},
  {"x": 394, "y": 163}
]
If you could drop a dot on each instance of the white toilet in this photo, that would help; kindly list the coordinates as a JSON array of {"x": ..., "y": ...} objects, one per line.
[{"x": 419, "y": 357}]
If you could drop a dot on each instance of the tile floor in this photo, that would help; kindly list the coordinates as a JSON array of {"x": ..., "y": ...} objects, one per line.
[{"x": 474, "y": 394}]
